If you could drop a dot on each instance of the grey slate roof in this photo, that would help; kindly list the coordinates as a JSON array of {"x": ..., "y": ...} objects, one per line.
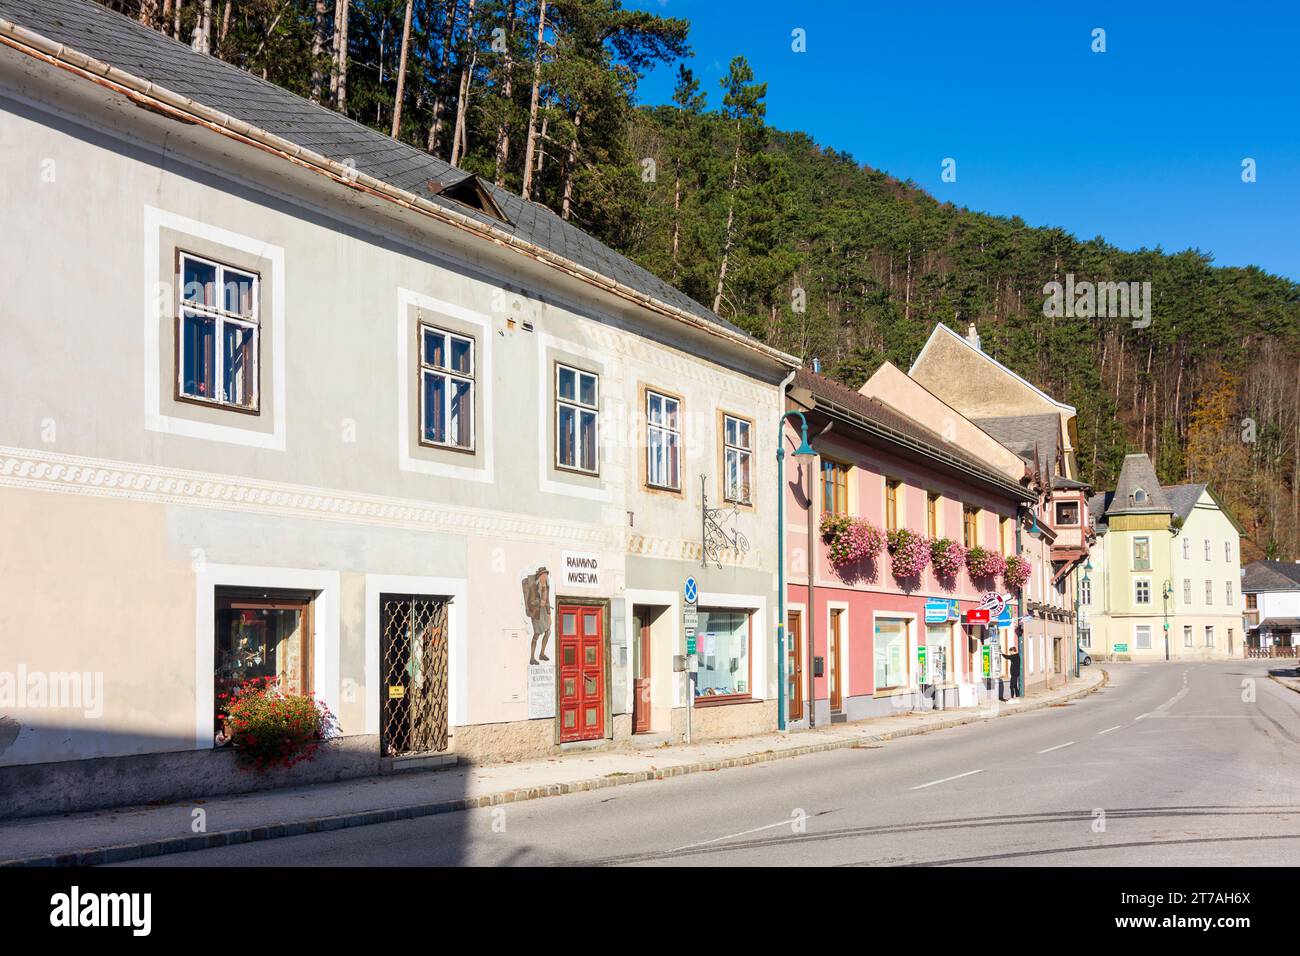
[
  {"x": 1097, "y": 507},
  {"x": 1024, "y": 434},
  {"x": 1183, "y": 498},
  {"x": 1138, "y": 473},
  {"x": 1271, "y": 576},
  {"x": 100, "y": 33}
]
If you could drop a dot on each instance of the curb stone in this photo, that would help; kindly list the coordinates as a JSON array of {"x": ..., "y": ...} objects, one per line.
[{"x": 120, "y": 853}]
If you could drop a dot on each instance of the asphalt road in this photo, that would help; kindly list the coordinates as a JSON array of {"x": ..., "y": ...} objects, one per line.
[{"x": 1171, "y": 764}]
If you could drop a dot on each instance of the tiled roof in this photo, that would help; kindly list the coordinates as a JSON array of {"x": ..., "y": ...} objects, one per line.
[
  {"x": 910, "y": 431},
  {"x": 1137, "y": 474},
  {"x": 1027, "y": 434},
  {"x": 1271, "y": 576},
  {"x": 1183, "y": 498},
  {"x": 112, "y": 38}
]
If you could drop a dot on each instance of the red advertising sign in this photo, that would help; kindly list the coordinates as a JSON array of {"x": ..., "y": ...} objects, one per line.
[{"x": 977, "y": 616}]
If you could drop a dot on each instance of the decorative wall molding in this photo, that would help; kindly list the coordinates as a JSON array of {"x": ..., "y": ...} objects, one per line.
[{"x": 40, "y": 470}]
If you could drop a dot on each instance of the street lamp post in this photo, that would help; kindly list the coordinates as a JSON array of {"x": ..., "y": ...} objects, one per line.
[{"x": 803, "y": 451}]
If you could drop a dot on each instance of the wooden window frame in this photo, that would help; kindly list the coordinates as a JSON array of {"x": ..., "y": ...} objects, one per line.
[
  {"x": 893, "y": 493},
  {"x": 933, "y": 514},
  {"x": 1133, "y": 553},
  {"x": 835, "y": 468},
  {"x": 970, "y": 526},
  {"x": 220, "y": 317},
  {"x": 907, "y": 657},
  {"x": 427, "y": 367},
  {"x": 1078, "y": 513},
  {"x": 663, "y": 396},
  {"x": 579, "y": 407},
  {"x": 725, "y": 448}
]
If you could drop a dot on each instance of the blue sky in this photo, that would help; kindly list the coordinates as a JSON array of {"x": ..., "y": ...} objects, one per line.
[{"x": 1141, "y": 144}]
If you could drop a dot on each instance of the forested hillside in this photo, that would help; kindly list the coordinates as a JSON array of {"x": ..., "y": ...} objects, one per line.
[{"x": 805, "y": 247}]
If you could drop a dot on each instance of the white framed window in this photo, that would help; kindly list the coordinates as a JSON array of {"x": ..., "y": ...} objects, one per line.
[
  {"x": 1141, "y": 590},
  {"x": 1085, "y": 592},
  {"x": 1142, "y": 554},
  {"x": 1187, "y": 592},
  {"x": 1209, "y": 592},
  {"x": 1227, "y": 551},
  {"x": 1209, "y": 635},
  {"x": 217, "y": 334},
  {"x": 1187, "y": 549},
  {"x": 1208, "y": 546},
  {"x": 663, "y": 452},
  {"x": 1227, "y": 592},
  {"x": 737, "y": 453},
  {"x": 1142, "y": 637},
  {"x": 577, "y": 403},
  {"x": 446, "y": 388},
  {"x": 1187, "y": 635}
]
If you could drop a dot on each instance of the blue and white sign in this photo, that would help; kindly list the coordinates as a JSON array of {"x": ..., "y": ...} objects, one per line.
[
  {"x": 690, "y": 591},
  {"x": 936, "y": 611}
]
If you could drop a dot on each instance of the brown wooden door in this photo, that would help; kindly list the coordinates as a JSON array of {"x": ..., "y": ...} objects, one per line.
[
  {"x": 582, "y": 672},
  {"x": 794, "y": 664},
  {"x": 833, "y": 672},
  {"x": 641, "y": 672}
]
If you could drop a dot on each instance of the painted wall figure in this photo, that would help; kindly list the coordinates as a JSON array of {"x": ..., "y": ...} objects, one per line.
[{"x": 537, "y": 604}]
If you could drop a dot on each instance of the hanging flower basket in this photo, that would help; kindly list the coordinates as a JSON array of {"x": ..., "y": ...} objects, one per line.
[
  {"x": 946, "y": 557},
  {"x": 984, "y": 564},
  {"x": 850, "y": 540},
  {"x": 270, "y": 729},
  {"x": 909, "y": 553},
  {"x": 1017, "y": 572}
]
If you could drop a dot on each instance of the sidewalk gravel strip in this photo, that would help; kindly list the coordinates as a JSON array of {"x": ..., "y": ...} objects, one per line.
[{"x": 186, "y": 844}]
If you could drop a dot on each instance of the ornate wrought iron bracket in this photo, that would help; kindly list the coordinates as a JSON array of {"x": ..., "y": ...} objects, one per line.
[{"x": 716, "y": 537}]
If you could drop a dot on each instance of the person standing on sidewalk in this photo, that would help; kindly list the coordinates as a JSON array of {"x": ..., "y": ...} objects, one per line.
[{"x": 1012, "y": 656}]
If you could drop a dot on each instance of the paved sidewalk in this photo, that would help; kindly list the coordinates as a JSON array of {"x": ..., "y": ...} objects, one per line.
[{"x": 107, "y": 836}]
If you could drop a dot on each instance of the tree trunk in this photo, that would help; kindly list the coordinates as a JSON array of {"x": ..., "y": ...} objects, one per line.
[
  {"x": 401, "y": 70},
  {"x": 530, "y": 150},
  {"x": 203, "y": 31},
  {"x": 444, "y": 59},
  {"x": 225, "y": 25},
  {"x": 339, "y": 81},
  {"x": 459, "y": 136},
  {"x": 503, "y": 125},
  {"x": 731, "y": 218},
  {"x": 317, "y": 50},
  {"x": 677, "y": 219},
  {"x": 566, "y": 206},
  {"x": 176, "y": 19}
]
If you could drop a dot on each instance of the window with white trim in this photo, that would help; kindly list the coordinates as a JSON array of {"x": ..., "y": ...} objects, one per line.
[
  {"x": 1187, "y": 592},
  {"x": 1227, "y": 592},
  {"x": 1187, "y": 636},
  {"x": 446, "y": 388},
  {"x": 1085, "y": 592},
  {"x": 1141, "y": 590},
  {"x": 1209, "y": 592},
  {"x": 1227, "y": 551},
  {"x": 217, "y": 334},
  {"x": 1209, "y": 635},
  {"x": 738, "y": 454},
  {"x": 577, "y": 402},
  {"x": 663, "y": 441},
  {"x": 1207, "y": 550},
  {"x": 1142, "y": 636},
  {"x": 1142, "y": 554},
  {"x": 1187, "y": 549}
]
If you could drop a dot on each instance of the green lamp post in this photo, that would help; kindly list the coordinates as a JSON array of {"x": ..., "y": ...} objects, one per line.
[{"x": 803, "y": 451}]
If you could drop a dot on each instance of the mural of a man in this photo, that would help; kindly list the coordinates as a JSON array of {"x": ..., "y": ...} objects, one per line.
[{"x": 537, "y": 605}]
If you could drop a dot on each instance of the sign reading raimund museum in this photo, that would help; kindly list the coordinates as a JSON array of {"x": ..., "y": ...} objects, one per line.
[{"x": 581, "y": 569}]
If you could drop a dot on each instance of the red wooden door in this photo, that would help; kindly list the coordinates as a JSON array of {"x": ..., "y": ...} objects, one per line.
[{"x": 582, "y": 673}]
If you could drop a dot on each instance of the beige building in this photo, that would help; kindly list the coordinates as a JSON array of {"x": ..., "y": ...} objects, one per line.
[{"x": 286, "y": 398}]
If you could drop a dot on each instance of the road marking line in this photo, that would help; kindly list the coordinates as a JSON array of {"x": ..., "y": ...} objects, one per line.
[
  {"x": 1139, "y": 717},
  {"x": 732, "y": 836},
  {"x": 946, "y": 779},
  {"x": 1109, "y": 729},
  {"x": 1057, "y": 747}
]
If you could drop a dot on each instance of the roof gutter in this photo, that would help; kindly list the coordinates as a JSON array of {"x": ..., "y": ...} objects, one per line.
[{"x": 167, "y": 103}]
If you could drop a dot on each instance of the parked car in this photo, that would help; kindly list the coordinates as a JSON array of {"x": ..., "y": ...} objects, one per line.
[{"x": 1085, "y": 659}]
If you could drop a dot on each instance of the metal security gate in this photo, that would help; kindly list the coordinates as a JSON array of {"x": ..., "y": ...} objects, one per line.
[{"x": 414, "y": 661}]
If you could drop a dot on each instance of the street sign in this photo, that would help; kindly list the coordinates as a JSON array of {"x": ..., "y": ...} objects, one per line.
[
  {"x": 986, "y": 654},
  {"x": 922, "y": 665},
  {"x": 1121, "y": 648},
  {"x": 690, "y": 591},
  {"x": 977, "y": 616},
  {"x": 936, "y": 611}
]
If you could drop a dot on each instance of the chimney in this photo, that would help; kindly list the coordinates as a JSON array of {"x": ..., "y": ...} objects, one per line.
[
  {"x": 972, "y": 336},
  {"x": 817, "y": 365}
]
